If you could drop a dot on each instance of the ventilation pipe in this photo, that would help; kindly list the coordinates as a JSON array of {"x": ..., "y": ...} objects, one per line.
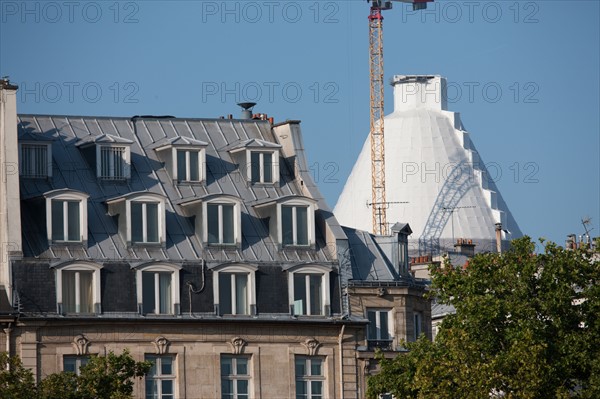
[{"x": 246, "y": 110}]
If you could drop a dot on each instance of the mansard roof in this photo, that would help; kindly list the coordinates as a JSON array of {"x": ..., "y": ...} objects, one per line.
[{"x": 72, "y": 170}]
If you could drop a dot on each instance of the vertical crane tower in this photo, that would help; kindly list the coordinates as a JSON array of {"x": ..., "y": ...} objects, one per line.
[{"x": 376, "y": 127}]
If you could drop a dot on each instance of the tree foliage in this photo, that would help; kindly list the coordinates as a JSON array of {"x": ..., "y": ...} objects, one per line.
[
  {"x": 103, "y": 377},
  {"x": 526, "y": 326}
]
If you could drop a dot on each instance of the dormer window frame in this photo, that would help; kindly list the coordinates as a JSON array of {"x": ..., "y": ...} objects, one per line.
[
  {"x": 157, "y": 269},
  {"x": 66, "y": 197},
  {"x": 124, "y": 204},
  {"x": 169, "y": 151},
  {"x": 237, "y": 220},
  {"x": 250, "y": 166},
  {"x": 295, "y": 204},
  {"x": 234, "y": 270},
  {"x": 306, "y": 272},
  {"x": 78, "y": 267},
  {"x": 34, "y": 163},
  {"x": 125, "y": 158}
]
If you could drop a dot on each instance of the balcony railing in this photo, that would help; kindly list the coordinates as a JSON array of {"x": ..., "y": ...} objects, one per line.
[{"x": 383, "y": 344}]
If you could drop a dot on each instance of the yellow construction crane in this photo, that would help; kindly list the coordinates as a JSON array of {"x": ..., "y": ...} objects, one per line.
[{"x": 378, "y": 198}]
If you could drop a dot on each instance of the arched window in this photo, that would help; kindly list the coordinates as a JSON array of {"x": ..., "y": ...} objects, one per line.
[
  {"x": 141, "y": 217},
  {"x": 309, "y": 292},
  {"x": 234, "y": 289},
  {"x": 157, "y": 288},
  {"x": 78, "y": 287},
  {"x": 66, "y": 216}
]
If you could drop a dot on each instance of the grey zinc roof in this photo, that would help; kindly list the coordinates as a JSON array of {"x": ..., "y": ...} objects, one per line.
[
  {"x": 71, "y": 170},
  {"x": 368, "y": 259}
]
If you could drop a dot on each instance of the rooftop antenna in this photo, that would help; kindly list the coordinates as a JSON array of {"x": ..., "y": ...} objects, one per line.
[
  {"x": 452, "y": 210},
  {"x": 247, "y": 110},
  {"x": 585, "y": 221}
]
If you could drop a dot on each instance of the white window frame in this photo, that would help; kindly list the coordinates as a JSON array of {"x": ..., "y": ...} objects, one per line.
[
  {"x": 233, "y": 269},
  {"x": 160, "y": 377},
  {"x": 80, "y": 361},
  {"x": 122, "y": 206},
  {"x": 308, "y": 377},
  {"x": 237, "y": 219},
  {"x": 274, "y": 166},
  {"x": 390, "y": 327},
  {"x": 235, "y": 376},
  {"x": 79, "y": 266},
  {"x": 47, "y": 166},
  {"x": 308, "y": 270},
  {"x": 310, "y": 215},
  {"x": 125, "y": 158},
  {"x": 201, "y": 163},
  {"x": 67, "y": 195},
  {"x": 144, "y": 204},
  {"x": 158, "y": 268}
]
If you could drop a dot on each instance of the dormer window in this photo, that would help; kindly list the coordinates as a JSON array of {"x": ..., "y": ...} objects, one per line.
[
  {"x": 234, "y": 289},
  {"x": 218, "y": 219},
  {"x": 78, "y": 287},
  {"x": 35, "y": 160},
  {"x": 309, "y": 292},
  {"x": 141, "y": 218},
  {"x": 291, "y": 220},
  {"x": 185, "y": 159},
  {"x": 261, "y": 160},
  {"x": 110, "y": 154},
  {"x": 66, "y": 216},
  {"x": 158, "y": 288}
]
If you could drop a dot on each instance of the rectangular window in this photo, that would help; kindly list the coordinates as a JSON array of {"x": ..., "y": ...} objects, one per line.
[
  {"x": 188, "y": 165},
  {"x": 73, "y": 364},
  {"x": 220, "y": 223},
  {"x": 160, "y": 380},
  {"x": 235, "y": 377},
  {"x": 307, "y": 294},
  {"x": 77, "y": 291},
  {"x": 309, "y": 377},
  {"x": 261, "y": 167},
  {"x": 112, "y": 163},
  {"x": 156, "y": 293},
  {"x": 233, "y": 293},
  {"x": 144, "y": 222},
  {"x": 34, "y": 160},
  {"x": 66, "y": 221},
  {"x": 378, "y": 330},
  {"x": 418, "y": 325},
  {"x": 294, "y": 225}
]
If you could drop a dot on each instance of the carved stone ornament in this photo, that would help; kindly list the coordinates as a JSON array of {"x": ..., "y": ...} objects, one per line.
[
  {"x": 81, "y": 343},
  {"x": 161, "y": 344},
  {"x": 237, "y": 345},
  {"x": 312, "y": 346}
]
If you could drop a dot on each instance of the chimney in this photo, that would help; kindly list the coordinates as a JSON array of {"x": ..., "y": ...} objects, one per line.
[
  {"x": 10, "y": 202},
  {"x": 246, "y": 110},
  {"x": 419, "y": 92},
  {"x": 499, "y": 237},
  {"x": 465, "y": 247}
]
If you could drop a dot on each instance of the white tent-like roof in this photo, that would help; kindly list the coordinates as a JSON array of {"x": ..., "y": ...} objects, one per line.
[{"x": 435, "y": 178}]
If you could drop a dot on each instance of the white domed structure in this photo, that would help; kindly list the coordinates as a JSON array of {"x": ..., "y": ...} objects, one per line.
[{"x": 435, "y": 178}]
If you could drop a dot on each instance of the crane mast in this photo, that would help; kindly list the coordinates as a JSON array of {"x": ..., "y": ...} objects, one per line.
[{"x": 379, "y": 203}]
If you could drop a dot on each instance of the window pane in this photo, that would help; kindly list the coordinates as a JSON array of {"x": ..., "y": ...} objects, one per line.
[
  {"x": 300, "y": 367},
  {"x": 136, "y": 222},
  {"x": 315, "y": 367},
  {"x": 372, "y": 329},
  {"x": 118, "y": 162},
  {"x": 181, "y": 166},
  {"x": 255, "y": 167},
  {"x": 148, "y": 292},
  {"x": 167, "y": 387},
  {"x": 74, "y": 222},
  {"x": 227, "y": 388},
  {"x": 315, "y": 295},
  {"x": 166, "y": 365},
  {"x": 225, "y": 293},
  {"x": 152, "y": 222},
  {"x": 104, "y": 162},
  {"x": 58, "y": 233},
  {"x": 85, "y": 290},
  {"x": 242, "y": 387},
  {"x": 299, "y": 294},
  {"x": 241, "y": 293},
  {"x": 302, "y": 225},
  {"x": 383, "y": 325},
  {"x": 195, "y": 165},
  {"x": 286, "y": 225},
  {"x": 226, "y": 366},
  {"x": 213, "y": 223},
  {"x": 151, "y": 389},
  {"x": 316, "y": 389},
  {"x": 242, "y": 366},
  {"x": 268, "y": 167},
  {"x": 301, "y": 389},
  {"x": 68, "y": 291},
  {"x": 228, "y": 234},
  {"x": 165, "y": 292},
  {"x": 70, "y": 364}
]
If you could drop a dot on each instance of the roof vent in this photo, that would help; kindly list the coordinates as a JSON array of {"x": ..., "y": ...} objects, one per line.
[{"x": 246, "y": 110}]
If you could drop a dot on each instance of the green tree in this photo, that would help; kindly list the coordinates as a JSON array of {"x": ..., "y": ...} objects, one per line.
[
  {"x": 16, "y": 382},
  {"x": 526, "y": 326}
]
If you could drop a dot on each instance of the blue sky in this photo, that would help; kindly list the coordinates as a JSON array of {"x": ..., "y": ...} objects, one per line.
[{"x": 523, "y": 74}]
